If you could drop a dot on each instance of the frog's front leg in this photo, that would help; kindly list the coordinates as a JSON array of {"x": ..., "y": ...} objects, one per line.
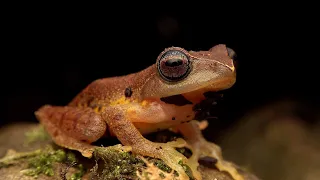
[
  {"x": 120, "y": 125},
  {"x": 71, "y": 127},
  {"x": 200, "y": 147}
]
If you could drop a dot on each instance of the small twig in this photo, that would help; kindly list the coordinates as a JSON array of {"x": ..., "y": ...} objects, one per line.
[{"x": 64, "y": 172}]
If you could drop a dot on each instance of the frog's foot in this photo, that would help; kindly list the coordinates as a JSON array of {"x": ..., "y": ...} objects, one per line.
[
  {"x": 201, "y": 124},
  {"x": 170, "y": 156},
  {"x": 201, "y": 148},
  {"x": 208, "y": 149},
  {"x": 121, "y": 125}
]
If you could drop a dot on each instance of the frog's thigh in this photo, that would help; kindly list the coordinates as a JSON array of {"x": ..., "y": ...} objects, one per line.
[
  {"x": 201, "y": 147},
  {"x": 72, "y": 127}
]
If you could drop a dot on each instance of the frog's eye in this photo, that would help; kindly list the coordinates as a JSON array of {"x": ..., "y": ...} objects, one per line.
[{"x": 173, "y": 65}]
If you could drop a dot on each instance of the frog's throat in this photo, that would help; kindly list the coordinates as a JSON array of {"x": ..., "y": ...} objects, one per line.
[{"x": 206, "y": 108}]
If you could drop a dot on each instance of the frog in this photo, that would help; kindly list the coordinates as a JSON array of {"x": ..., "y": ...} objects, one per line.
[{"x": 162, "y": 96}]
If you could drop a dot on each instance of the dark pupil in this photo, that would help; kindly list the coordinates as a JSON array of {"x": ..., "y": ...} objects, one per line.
[{"x": 173, "y": 62}]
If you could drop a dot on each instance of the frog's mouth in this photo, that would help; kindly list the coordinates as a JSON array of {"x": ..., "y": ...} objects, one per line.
[{"x": 203, "y": 107}]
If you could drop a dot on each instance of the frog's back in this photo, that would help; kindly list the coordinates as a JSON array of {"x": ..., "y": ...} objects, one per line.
[
  {"x": 106, "y": 91},
  {"x": 102, "y": 92}
]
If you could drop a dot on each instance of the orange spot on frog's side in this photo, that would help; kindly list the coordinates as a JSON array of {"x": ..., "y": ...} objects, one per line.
[
  {"x": 98, "y": 109},
  {"x": 131, "y": 111},
  {"x": 121, "y": 100},
  {"x": 144, "y": 103}
]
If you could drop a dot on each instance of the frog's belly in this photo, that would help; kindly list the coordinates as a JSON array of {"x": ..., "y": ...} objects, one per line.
[
  {"x": 157, "y": 116},
  {"x": 146, "y": 128}
]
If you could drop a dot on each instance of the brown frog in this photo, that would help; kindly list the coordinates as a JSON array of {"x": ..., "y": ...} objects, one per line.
[{"x": 159, "y": 97}]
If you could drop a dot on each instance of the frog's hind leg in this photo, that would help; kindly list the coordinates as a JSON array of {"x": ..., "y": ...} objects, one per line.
[
  {"x": 126, "y": 132},
  {"x": 71, "y": 127},
  {"x": 202, "y": 148}
]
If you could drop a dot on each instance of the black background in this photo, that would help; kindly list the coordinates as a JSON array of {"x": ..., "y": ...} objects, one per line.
[{"x": 51, "y": 52}]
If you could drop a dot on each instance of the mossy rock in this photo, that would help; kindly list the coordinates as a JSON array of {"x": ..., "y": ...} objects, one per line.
[{"x": 28, "y": 153}]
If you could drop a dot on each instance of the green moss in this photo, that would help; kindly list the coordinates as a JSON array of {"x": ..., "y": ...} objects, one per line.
[
  {"x": 162, "y": 175},
  {"x": 187, "y": 169},
  {"x": 160, "y": 164},
  {"x": 119, "y": 164},
  {"x": 78, "y": 175},
  {"x": 116, "y": 164},
  {"x": 71, "y": 157},
  {"x": 36, "y": 134},
  {"x": 44, "y": 162}
]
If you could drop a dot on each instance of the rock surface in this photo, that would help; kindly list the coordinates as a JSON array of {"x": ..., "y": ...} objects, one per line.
[{"x": 25, "y": 137}]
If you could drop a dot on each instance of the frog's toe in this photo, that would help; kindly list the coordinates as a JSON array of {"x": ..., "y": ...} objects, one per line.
[
  {"x": 212, "y": 150},
  {"x": 87, "y": 152},
  {"x": 186, "y": 168},
  {"x": 178, "y": 143}
]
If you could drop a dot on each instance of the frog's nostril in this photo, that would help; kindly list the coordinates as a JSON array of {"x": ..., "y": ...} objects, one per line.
[{"x": 231, "y": 53}]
